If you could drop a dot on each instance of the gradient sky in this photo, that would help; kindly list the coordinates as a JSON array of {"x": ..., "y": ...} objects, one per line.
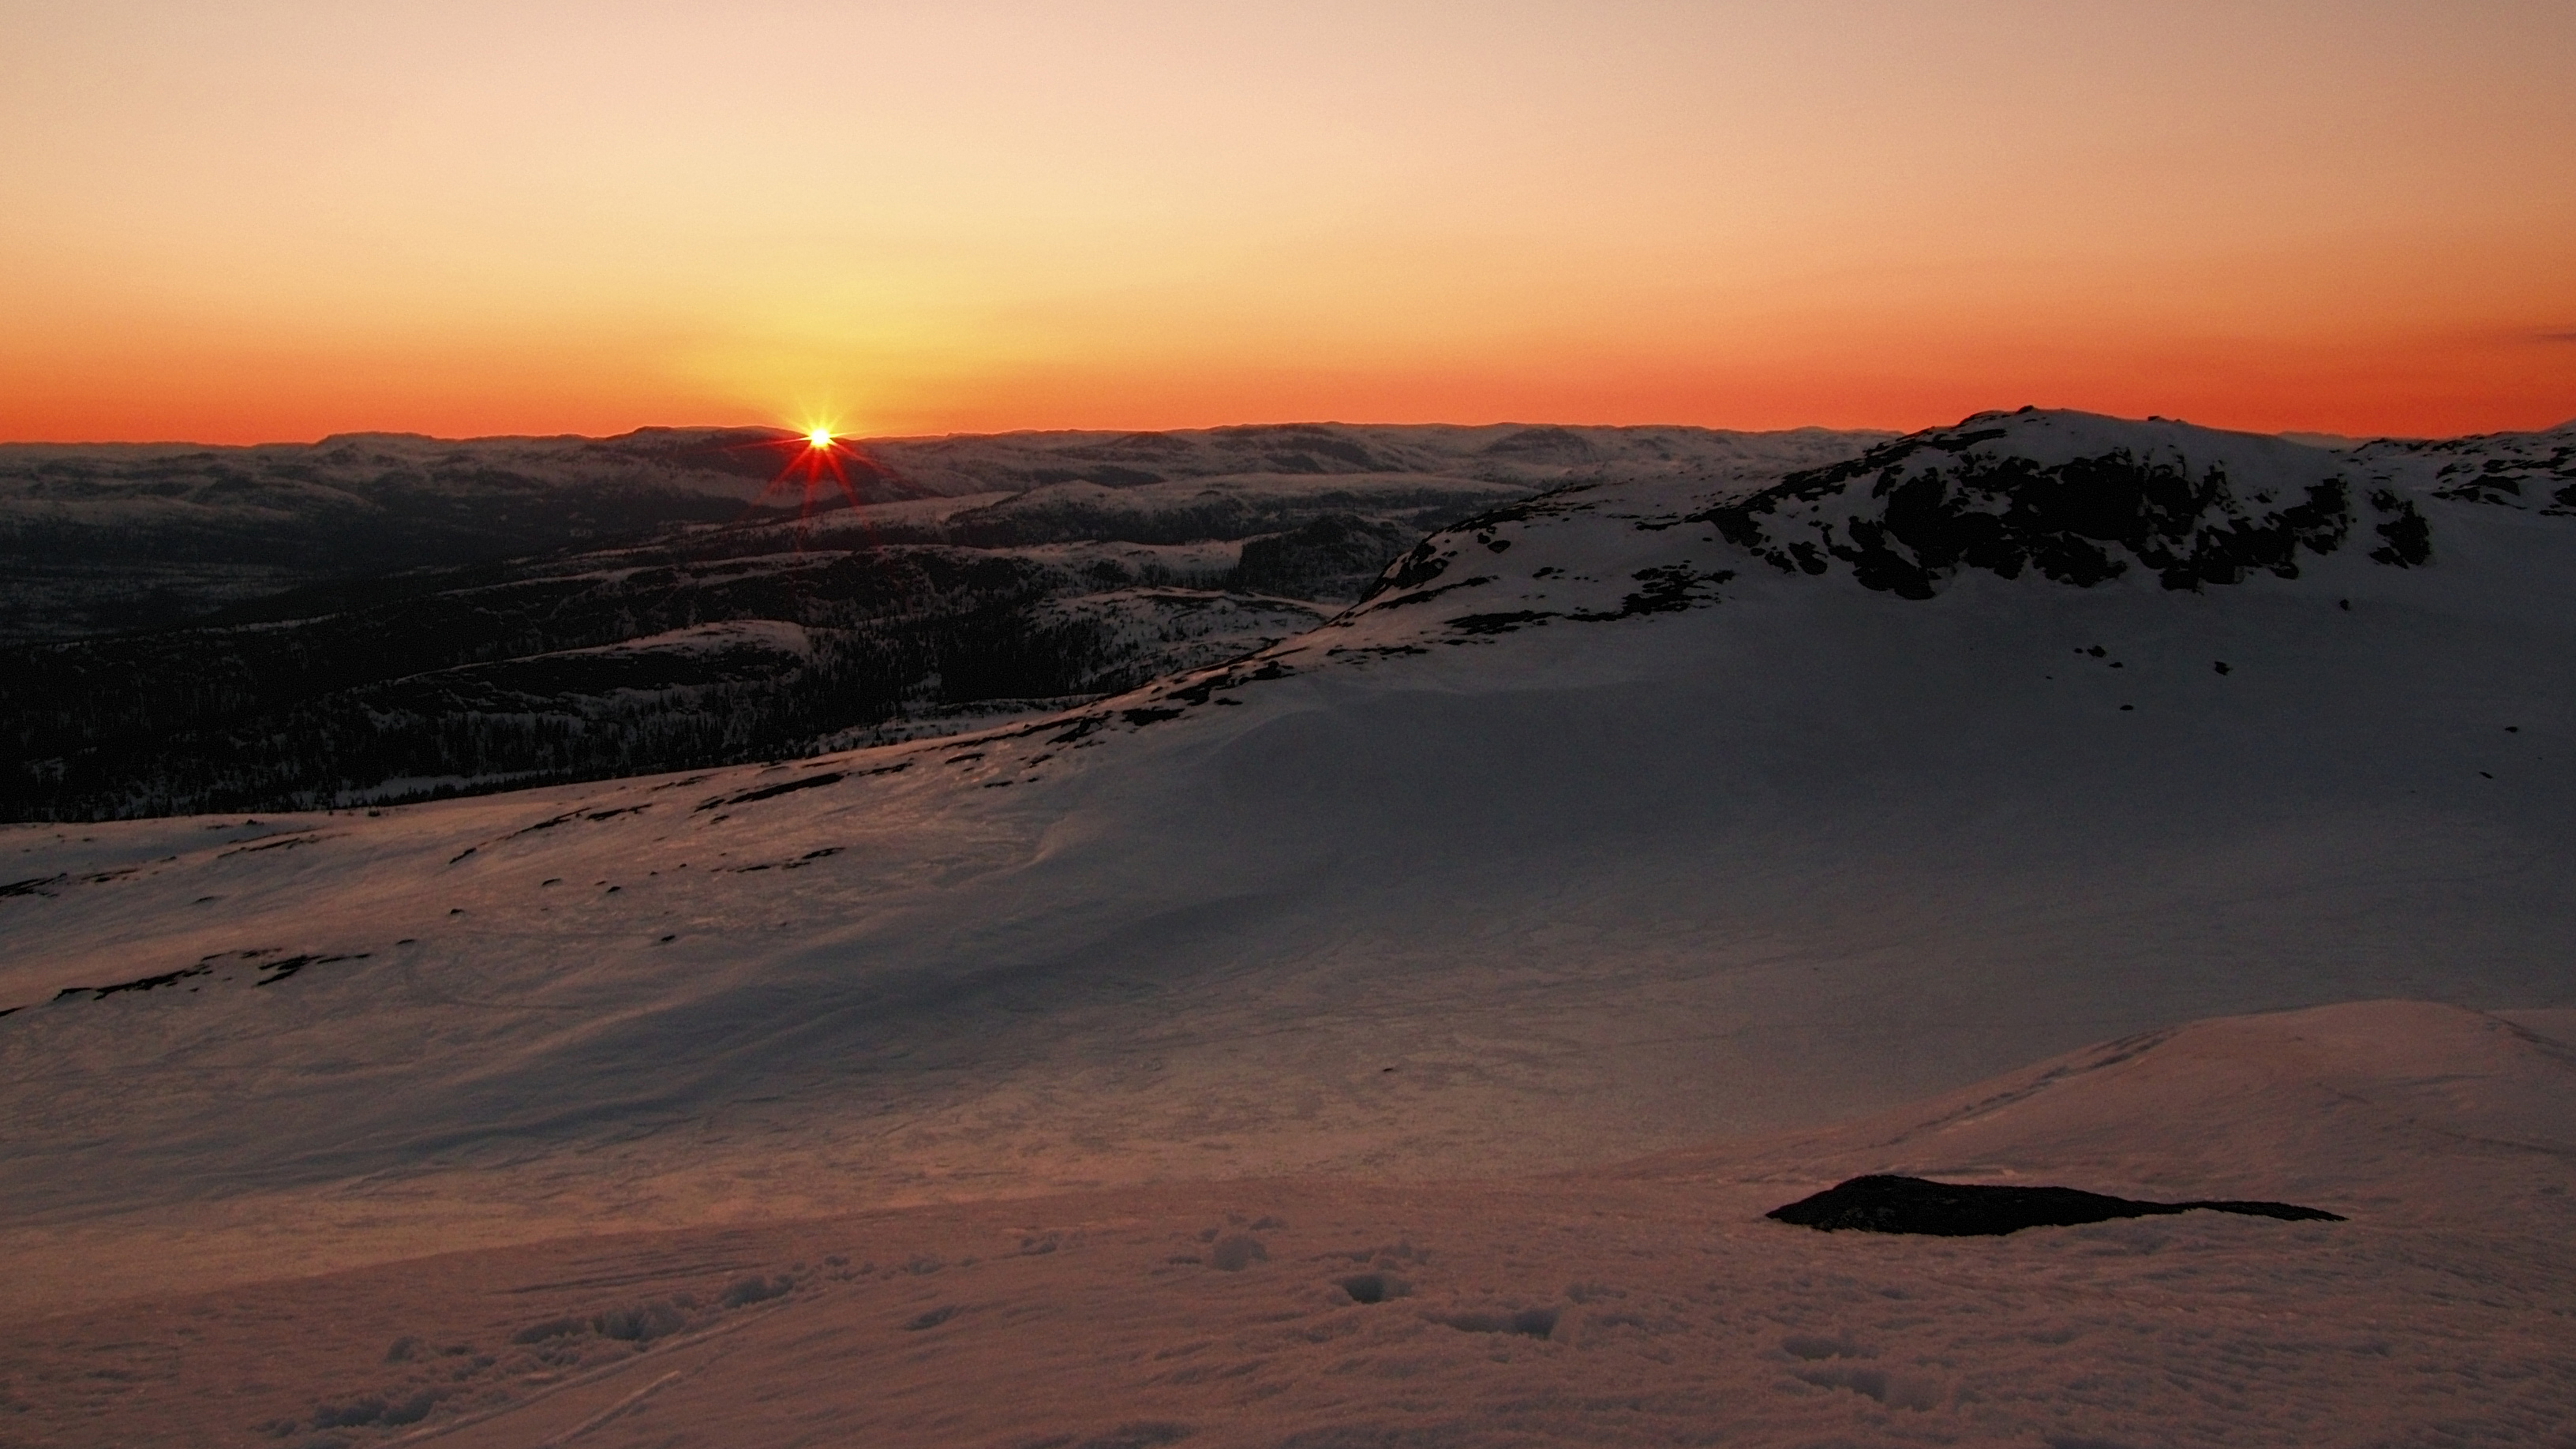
[{"x": 263, "y": 220}]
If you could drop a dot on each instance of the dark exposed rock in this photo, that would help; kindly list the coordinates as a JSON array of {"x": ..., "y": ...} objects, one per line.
[
  {"x": 1884, "y": 1203},
  {"x": 1937, "y": 503},
  {"x": 1419, "y": 567},
  {"x": 1503, "y": 622},
  {"x": 1670, "y": 589},
  {"x": 272, "y": 968},
  {"x": 772, "y": 792},
  {"x": 2406, "y": 539},
  {"x": 140, "y": 983},
  {"x": 1425, "y": 596},
  {"x": 2527, "y": 471}
]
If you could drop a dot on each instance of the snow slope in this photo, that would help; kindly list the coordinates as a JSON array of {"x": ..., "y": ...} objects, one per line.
[
  {"x": 1648, "y": 1304},
  {"x": 1594, "y": 831}
]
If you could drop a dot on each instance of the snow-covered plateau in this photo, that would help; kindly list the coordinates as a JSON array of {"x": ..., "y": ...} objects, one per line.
[{"x": 1393, "y": 1036}]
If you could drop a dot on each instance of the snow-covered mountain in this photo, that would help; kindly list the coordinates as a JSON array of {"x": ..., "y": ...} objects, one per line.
[
  {"x": 2072, "y": 499},
  {"x": 1637, "y": 813},
  {"x": 1618, "y": 819}
]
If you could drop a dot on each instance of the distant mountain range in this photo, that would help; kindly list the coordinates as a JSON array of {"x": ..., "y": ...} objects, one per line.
[
  {"x": 101, "y": 538},
  {"x": 385, "y": 617}
]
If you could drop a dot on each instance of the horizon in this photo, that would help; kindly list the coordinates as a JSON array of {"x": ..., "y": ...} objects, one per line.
[
  {"x": 289, "y": 220},
  {"x": 2302, "y": 436}
]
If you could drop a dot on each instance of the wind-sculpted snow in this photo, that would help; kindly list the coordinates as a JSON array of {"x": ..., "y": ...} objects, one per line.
[{"x": 1643, "y": 1304}]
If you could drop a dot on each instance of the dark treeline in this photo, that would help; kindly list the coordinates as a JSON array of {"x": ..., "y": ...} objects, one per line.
[
  {"x": 476, "y": 682},
  {"x": 565, "y": 667}
]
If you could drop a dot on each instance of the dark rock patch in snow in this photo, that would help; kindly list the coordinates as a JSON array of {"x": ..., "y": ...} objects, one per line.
[
  {"x": 1885, "y": 1203},
  {"x": 1501, "y": 623},
  {"x": 771, "y": 792},
  {"x": 1668, "y": 589},
  {"x": 2534, "y": 472},
  {"x": 286, "y": 966},
  {"x": 1415, "y": 569},
  {"x": 140, "y": 983},
  {"x": 270, "y": 972},
  {"x": 2406, "y": 539},
  {"x": 1374, "y": 1287},
  {"x": 1427, "y": 595}
]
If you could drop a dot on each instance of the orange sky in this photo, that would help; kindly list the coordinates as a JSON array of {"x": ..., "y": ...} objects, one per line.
[{"x": 277, "y": 220}]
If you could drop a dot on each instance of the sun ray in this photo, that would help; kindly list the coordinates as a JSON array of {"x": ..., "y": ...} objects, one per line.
[{"x": 812, "y": 460}]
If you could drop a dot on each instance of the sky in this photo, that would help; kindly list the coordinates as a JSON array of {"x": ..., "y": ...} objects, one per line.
[{"x": 263, "y": 220}]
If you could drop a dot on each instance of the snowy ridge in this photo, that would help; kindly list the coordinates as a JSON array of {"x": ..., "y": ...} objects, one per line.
[
  {"x": 2071, "y": 498},
  {"x": 2079, "y": 500},
  {"x": 2516, "y": 470}
]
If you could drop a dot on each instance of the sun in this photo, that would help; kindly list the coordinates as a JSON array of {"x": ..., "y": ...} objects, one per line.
[{"x": 815, "y": 462}]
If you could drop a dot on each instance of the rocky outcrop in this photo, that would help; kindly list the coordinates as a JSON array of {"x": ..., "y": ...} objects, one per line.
[{"x": 1883, "y": 1203}]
